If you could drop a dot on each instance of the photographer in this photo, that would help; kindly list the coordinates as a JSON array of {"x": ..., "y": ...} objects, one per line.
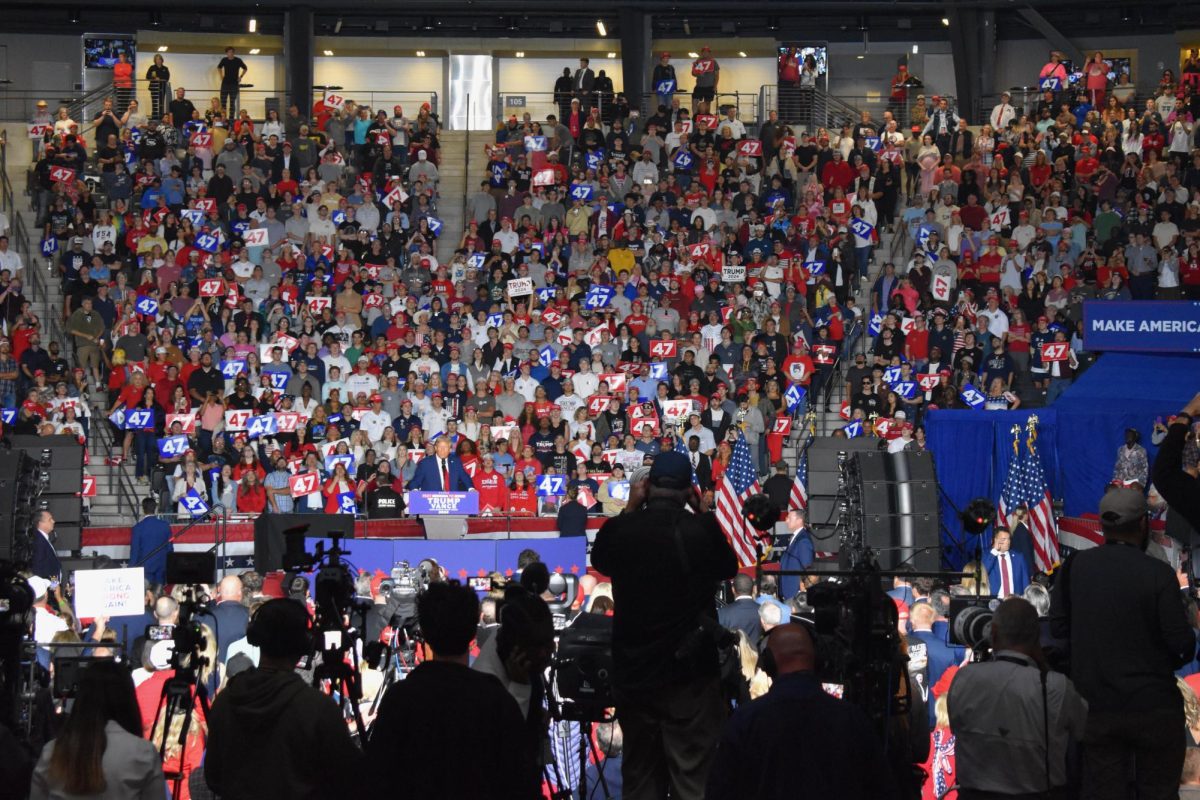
[
  {"x": 271, "y": 735},
  {"x": 1122, "y": 613},
  {"x": 1012, "y": 718},
  {"x": 1177, "y": 487},
  {"x": 665, "y": 564},
  {"x": 477, "y": 749}
]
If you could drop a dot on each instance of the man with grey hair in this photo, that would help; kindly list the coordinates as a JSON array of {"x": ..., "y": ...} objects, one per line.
[{"x": 1012, "y": 717}]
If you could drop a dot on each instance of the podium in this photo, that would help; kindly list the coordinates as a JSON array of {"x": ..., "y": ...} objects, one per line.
[{"x": 444, "y": 513}]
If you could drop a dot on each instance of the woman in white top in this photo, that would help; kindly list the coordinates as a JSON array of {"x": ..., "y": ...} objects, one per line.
[
  {"x": 64, "y": 123},
  {"x": 99, "y": 752},
  {"x": 271, "y": 127}
]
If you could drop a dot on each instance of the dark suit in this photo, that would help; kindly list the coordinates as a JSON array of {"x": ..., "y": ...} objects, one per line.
[
  {"x": 428, "y": 478},
  {"x": 742, "y": 615},
  {"x": 939, "y": 658},
  {"x": 703, "y": 468},
  {"x": 581, "y": 85},
  {"x": 800, "y": 554},
  {"x": 228, "y": 620},
  {"x": 1020, "y": 572},
  {"x": 147, "y": 535},
  {"x": 45, "y": 563}
]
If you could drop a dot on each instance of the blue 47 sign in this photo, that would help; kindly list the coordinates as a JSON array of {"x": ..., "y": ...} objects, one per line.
[
  {"x": 347, "y": 504},
  {"x": 208, "y": 243},
  {"x": 598, "y": 297},
  {"x": 139, "y": 419},
  {"x": 551, "y": 485},
  {"x": 794, "y": 396},
  {"x": 972, "y": 396},
  {"x": 262, "y": 426},
  {"x": 862, "y": 228},
  {"x": 582, "y": 191},
  {"x": 49, "y": 246},
  {"x": 683, "y": 159},
  {"x": 147, "y": 306},
  {"x": 194, "y": 504},
  {"x": 594, "y": 160},
  {"x": 435, "y": 225},
  {"x": 173, "y": 446}
]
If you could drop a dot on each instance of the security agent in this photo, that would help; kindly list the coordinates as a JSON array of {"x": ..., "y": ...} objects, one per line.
[
  {"x": 1122, "y": 613},
  {"x": 1012, "y": 718},
  {"x": 665, "y": 564}
]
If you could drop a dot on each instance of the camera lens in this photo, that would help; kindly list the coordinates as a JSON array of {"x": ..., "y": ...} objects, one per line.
[{"x": 972, "y": 626}]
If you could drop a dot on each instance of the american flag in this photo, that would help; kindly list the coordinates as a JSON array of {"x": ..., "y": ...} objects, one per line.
[
  {"x": 799, "y": 496},
  {"x": 1026, "y": 485},
  {"x": 739, "y": 482}
]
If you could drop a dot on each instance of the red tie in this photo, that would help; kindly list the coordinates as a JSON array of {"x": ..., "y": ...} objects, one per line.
[
  {"x": 1005, "y": 577},
  {"x": 445, "y": 476}
]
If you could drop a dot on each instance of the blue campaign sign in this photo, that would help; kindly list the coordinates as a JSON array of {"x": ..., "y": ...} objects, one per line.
[
  {"x": 1048, "y": 84},
  {"x": 535, "y": 144},
  {"x": 659, "y": 371},
  {"x": 683, "y": 159},
  {"x": 208, "y": 243},
  {"x": 874, "y": 143},
  {"x": 346, "y": 459},
  {"x": 116, "y": 418},
  {"x": 49, "y": 246},
  {"x": 906, "y": 389},
  {"x": 594, "y": 160},
  {"x": 262, "y": 426},
  {"x": 278, "y": 380},
  {"x": 546, "y": 356},
  {"x": 861, "y": 227},
  {"x": 891, "y": 375},
  {"x": 139, "y": 419},
  {"x": 546, "y": 294},
  {"x": 242, "y": 225},
  {"x": 173, "y": 446},
  {"x": 1167, "y": 326},
  {"x": 135, "y": 135},
  {"x": 337, "y": 217},
  {"x": 146, "y": 305},
  {"x": 495, "y": 320},
  {"x": 794, "y": 396},
  {"x": 551, "y": 485},
  {"x": 8, "y": 415},
  {"x": 666, "y": 86},
  {"x": 435, "y": 225},
  {"x": 598, "y": 297},
  {"x": 347, "y": 504},
  {"x": 334, "y": 419},
  {"x": 875, "y": 325},
  {"x": 438, "y": 503},
  {"x": 923, "y": 235},
  {"x": 232, "y": 368},
  {"x": 816, "y": 267},
  {"x": 853, "y": 430},
  {"x": 194, "y": 504},
  {"x": 476, "y": 260},
  {"x": 193, "y": 215},
  {"x": 582, "y": 191},
  {"x": 972, "y": 396}
]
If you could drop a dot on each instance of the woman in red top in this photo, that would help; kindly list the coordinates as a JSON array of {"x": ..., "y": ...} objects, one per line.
[
  {"x": 493, "y": 492},
  {"x": 251, "y": 496},
  {"x": 465, "y": 450},
  {"x": 522, "y": 497},
  {"x": 338, "y": 484},
  {"x": 637, "y": 320},
  {"x": 122, "y": 81},
  {"x": 1018, "y": 339},
  {"x": 248, "y": 463},
  {"x": 528, "y": 463},
  {"x": 1040, "y": 172},
  {"x": 839, "y": 206}
]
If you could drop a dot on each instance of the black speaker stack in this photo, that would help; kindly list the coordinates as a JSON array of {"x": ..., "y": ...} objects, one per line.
[
  {"x": 18, "y": 491},
  {"x": 58, "y": 466}
]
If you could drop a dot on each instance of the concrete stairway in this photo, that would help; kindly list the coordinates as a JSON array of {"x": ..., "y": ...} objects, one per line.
[{"x": 452, "y": 189}]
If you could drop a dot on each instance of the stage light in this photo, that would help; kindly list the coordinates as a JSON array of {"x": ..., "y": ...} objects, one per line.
[{"x": 253, "y": 25}]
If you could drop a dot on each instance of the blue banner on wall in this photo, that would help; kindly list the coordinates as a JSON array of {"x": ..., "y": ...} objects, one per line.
[{"x": 1171, "y": 326}]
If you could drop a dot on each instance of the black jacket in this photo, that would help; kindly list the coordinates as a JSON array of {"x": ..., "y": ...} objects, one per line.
[
  {"x": 742, "y": 615},
  {"x": 45, "y": 563},
  {"x": 1180, "y": 490},
  {"x": 662, "y": 586},
  {"x": 271, "y": 735}
]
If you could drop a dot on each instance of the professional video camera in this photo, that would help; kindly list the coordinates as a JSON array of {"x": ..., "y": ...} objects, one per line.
[{"x": 16, "y": 604}]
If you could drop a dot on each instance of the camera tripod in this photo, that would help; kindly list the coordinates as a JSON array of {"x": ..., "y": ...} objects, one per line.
[{"x": 183, "y": 691}]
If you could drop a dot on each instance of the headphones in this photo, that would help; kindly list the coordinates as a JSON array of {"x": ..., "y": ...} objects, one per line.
[{"x": 274, "y": 628}]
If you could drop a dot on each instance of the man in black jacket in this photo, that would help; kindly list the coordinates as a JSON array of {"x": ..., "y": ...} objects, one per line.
[
  {"x": 1122, "y": 613},
  {"x": 450, "y": 730},
  {"x": 665, "y": 564},
  {"x": 270, "y": 734},
  {"x": 1178, "y": 488},
  {"x": 742, "y": 613}
]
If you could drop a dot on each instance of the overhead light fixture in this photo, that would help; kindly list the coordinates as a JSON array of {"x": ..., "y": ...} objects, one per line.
[
  {"x": 253, "y": 25},
  {"x": 254, "y": 51},
  {"x": 162, "y": 48},
  {"x": 600, "y": 27},
  {"x": 612, "y": 55},
  {"x": 155, "y": 19},
  {"x": 328, "y": 52},
  {"x": 946, "y": 21},
  {"x": 916, "y": 49},
  {"x": 420, "y": 54},
  {"x": 520, "y": 54},
  {"x": 742, "y": 53},
  {"x": 693, "y": 54},
  {"x": 687, "y": 27},
  {"x": 860, "y": 56},
  {"x": 337, "y": 26}
]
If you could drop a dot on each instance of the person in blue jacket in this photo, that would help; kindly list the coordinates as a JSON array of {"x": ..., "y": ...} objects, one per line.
[
  {"x": 145, "y": 538},
  {"x": 800, "y": 553}
]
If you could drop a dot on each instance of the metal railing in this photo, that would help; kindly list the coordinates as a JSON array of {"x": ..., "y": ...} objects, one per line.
[
  {"x": 541, "y": 104},
  {"x": 817, "y": 108}
]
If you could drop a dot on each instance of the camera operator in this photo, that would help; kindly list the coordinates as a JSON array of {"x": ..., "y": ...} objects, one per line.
[
  {"x": 766, "y": 753},
  {"x": 1178, "y": 488},
  {"x": 520, "y": 651},
  {"x": 1012, "y": 718},
  {"x": 447, "y": 730},
  {"x": 665, "y": 564},
  {"x": 1122, "y": 613},
  {"x": 271, "y": 735}
]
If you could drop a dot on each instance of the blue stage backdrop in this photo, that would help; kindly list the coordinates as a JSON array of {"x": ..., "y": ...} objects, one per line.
[
  {"x": 1078, "y": 436},
  {"x": 464, "y": 559}
]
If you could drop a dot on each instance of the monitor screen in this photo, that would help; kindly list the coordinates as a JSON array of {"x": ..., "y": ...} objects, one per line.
[
  {"x": 100, "y": 51},
  {"x": 1117, "y": 67},
  {"x": 820, "y": 54}
]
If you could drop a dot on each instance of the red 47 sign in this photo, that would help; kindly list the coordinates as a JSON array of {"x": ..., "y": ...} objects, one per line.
[
  {"x": 212, "y": 287},
  {"x": 702, "y": 65},
  {"x": 663, "y": 348},
  {"x": 206, "y": 204},
  {"x": 750, "y": 147},
  {"x": 928, "y": 382},
  {"x": 597, "y": 403},
  {"x": 202, "y": 139},
  {"x": 303, "y": 484},
  {"x": 89, "y": 487},
  {"x": 1055, "y": 351},
  {"x": 824, "y": 353},
  {"x": 615, "y": 381},
  {"x": 782, "y": 426},
  {"x": 62, "y": 175},
  {"x": 642, "y": 425},
  {"x": 699, "y": 250}
]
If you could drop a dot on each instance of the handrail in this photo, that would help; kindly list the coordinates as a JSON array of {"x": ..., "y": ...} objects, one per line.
[{"x": 540, "y": 104}]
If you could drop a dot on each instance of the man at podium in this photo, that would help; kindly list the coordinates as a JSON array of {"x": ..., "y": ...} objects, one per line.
[{"x": 441, "y": 472}]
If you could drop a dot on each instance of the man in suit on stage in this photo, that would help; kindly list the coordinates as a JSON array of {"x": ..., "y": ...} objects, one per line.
[
  {"x": 441, "y": 472},
  {"x": 742, "y": 613},
  {"x": 45, "y": 563},
  {"x": 1007, "y": 572}
]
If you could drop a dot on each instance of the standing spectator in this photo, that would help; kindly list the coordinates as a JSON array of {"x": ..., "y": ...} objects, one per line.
[
  {"x": 1180, "y": 489},
  {"x": 663, "y": 71},
  {"x": 1133, "y": 466},
  {"x": 1118, "y": 594},
  {"x": 232, "y": 69},
  {"x": 145, "y": 540},
  {"x": 708, "y": 75},
  {"x": 160, "y": 87},
  {"x": 563, "y": 90},
  {"x": 122, "y": 81},
  {"x": 582, "y": 83}
]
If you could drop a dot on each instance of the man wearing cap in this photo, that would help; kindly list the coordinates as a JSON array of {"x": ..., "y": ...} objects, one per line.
[
  {"x": 664, "y": 677},
  {"x": 1123, "y": 613},
  {"x": 707, "y": 72}
]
